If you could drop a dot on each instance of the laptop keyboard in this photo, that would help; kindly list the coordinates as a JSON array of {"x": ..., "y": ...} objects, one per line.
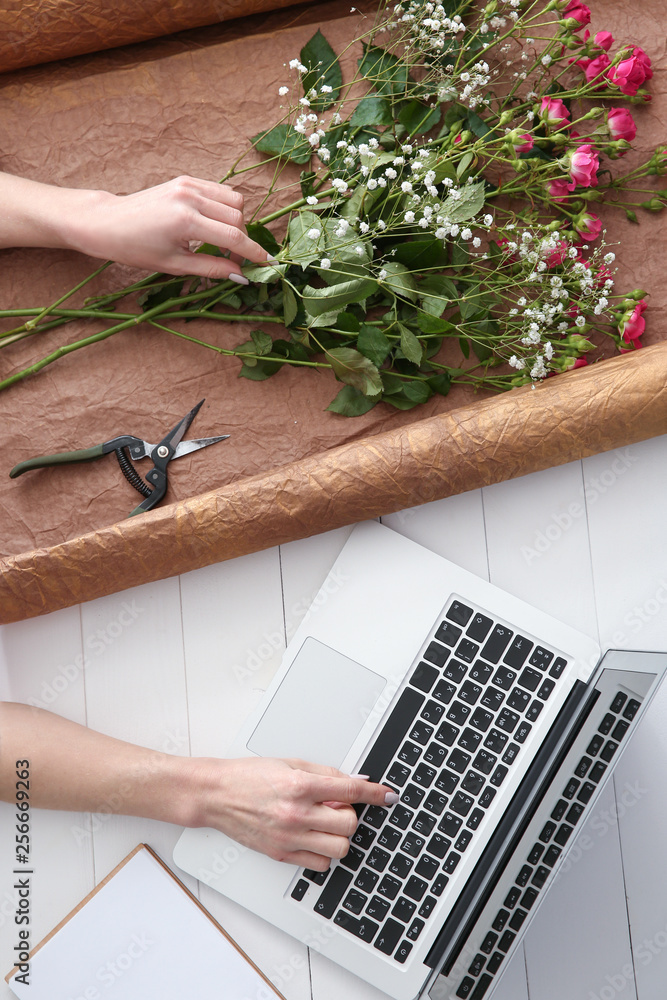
[
  {"x": 548, "y": 847},
  {"x": 447, "y": 746}
]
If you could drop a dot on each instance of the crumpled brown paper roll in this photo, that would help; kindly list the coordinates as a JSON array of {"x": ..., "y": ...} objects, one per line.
[
  {"x": 39, "y": 31},
  {"x": 611, "y": 404}
]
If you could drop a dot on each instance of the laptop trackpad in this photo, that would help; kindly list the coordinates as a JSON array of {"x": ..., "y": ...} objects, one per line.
[{"x": 319, "y": 707}]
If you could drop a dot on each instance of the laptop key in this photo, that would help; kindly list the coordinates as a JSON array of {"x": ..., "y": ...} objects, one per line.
[
  {"x": 424, "y": 823},
  {"x": 444, "y": 692},
  {"x": 496, "y": 644},
  {"x": 523, "y": 732},
  {"x": 517, "y": 919},
  {"x": 353, "y": 859},
  {"x": 552, "y": 855},
  {"x": 466, "y": 987},
  {"x": 389, "y": 838},
  {"x": 455, "y": 671},
  {"x": 546, "y": 689},
  {"x": 461, "y": 804},
  {"x": 403, "y": 951},
  {"x": 582, "y": 767},
  {"x": 536, "y": 852},
  {"x": 571, "y": 788},
  {"x": 389, "y": 887},
  {"x": 540, "y": 875},
  {"x": 448, "y": 633},
  {"x": 482, "y": 986},
  {"x": 534, "y": 710},
  {"x": 397, "y": 774},
  {"x": 475, "y": 818},
  {"x": 517, "y": 652},
  {"x": 451, "y": 862},
  {"x": 424, "y": 775},
  {"x": 378, "y": 859},
  {"x": 389, "y": 936},
  {"x": 436, "y": 653},
  {"x": 432, "y": 712},
  {"x": 529, "y": 897},
  {"x": 574, "y": 813},
  {"x": 435, "y": 802},
  {"x": 502, "y": 916},
  {"x": 366, "y": 880},
  {"x": 400, "y": 817},
  {"x": 378, "y": 908},
  {"x": 541, "y": 658},
  {"x": 458, "y": 760},
  {"x": 392, "y": 734},
  {"x": 459, "y": 613},
  {"x": 619, "y": 730},
  {"x": 319, "y": 878},
  {"x": 409, "y": 753},
  {"x": 484, "y": 761},
  {"x": 504, "y": 678},
  {"x": 438, "y": 846},
  {"x": 415, "y": 929},
  {"x": 498, "y": 775},
  {"x": 559, "y": 810},
  {"x": 435, "y": 754},
  {"x": 472, "y": 783},
  {"x": 586, "y": 791},
  {"x": 530, "y": 679},
  {"x": 424, "y": 677},
  {"x": 548, "y": 831},
  {"x": 631, "y": 709},
  {"x": 467, "y": 650},
  {"x": 403, "y": 909},
  {"x": 412, "y": 796},
  {"x": 608, "y": 750},
  {"x": 415, "y": 888},
  {"x": 458, "y": 713},
  {"x": 507, "y": 721},
  {"x": 300, "y": 889},
  {"x": 493, "y": 698},
  {"x": 470, "y": 692},
  {"x": 510, "y": 754},
  {"x": 488, "y": 943},
  {"x": 426, "y": 909},
  {"x": 618, "y": 702},
  {"x": 439, "y": 884},
  {"x": 480, "y": 672},
  {"x": 463, "y": 840},
  {"x": 597, "y": 771},
  {"x": 361, "y": 928},
  {"x": 486, "y": 798},
  {"x": 363, "y": 837},
  {"x": 506, "y": 940},
  {"x": 524, "y": 875},
  {"x": 355, "y": 902},
  {"x": 606, "y": 724},
  {"x": 558, "y": 667},
  {"x": 479, "y": 627},
  {"x": 496, "y": 741},
  {"x": 426, "y": 866},
  {"x": 495, "y": 962},
  {"x": 333, "y": 892},
  {"x": 518, "y": 699},
  {"x": 481, "y": 719},
  {"x": 447, "y": 734},
  {"x": 413, "y": 844}
]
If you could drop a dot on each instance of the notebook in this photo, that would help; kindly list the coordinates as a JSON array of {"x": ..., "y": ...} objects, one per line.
[
  {"x": 497, "y": 725},
  {"x": 139, "y": 934}
]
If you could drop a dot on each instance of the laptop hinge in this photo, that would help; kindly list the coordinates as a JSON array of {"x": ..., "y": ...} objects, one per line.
[{"x": 510, "y": 829}]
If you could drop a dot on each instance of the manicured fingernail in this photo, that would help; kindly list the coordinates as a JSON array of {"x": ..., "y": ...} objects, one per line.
[
  {"x": 240, "y": 279},
  {"x": 361, "y": 777},
  {"x": 390, "y": 799},
  {"x": 272, "y": 260}
]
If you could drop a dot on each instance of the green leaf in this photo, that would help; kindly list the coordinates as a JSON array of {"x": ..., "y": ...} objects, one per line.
[
  {"x": 373, "y": 344},
  {"x": 354, "y": 369},
  {"x": 302, "y": 248},
  {"x": 341, "y": 271},
  {"x": 400, "y": 402},
  {"x": 399, "y": 280},
  {"x": 320, "y": 300},
  {"x": 410, "y": 346},
  {"x": 421, "y": 253},
  {"x": 264, "y": 275},
  {"x": 290, "y": 305},
  {"x": 283, "y": 140},
  {"x": 428, "y": 323},
  {"x": 306, "y": 179},
  {"x": 260, "y": 234},
  {"x": 360, "y": 202},
  {"x": 262, "y": 341},
  {"x": 351, "y": 403},
  {"x": 325, "y": 319},
  {"x": 470, "y": 202},
  {"x": 418, "y": 118},
  {"x": 480, "y": 128},
  {"x": 463, "y": 164},
  {"x": 347, "y": 322},
  {"x": 258, "y": 374},
  {"x": 391, "y": 383},
  {"x": 323, "y": 69},
  {"x": 482, "y": 351},
  {"x": 371, "y": 111},
  {"x": 440, "y": 383},
  {"x": 387, "y": 74},
  {"x": 155, "y": 297},
  {"x": 465, "y": 347}
]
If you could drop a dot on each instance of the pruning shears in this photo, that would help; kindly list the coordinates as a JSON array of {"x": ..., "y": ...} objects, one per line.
[{"x": 154, "y": 488}]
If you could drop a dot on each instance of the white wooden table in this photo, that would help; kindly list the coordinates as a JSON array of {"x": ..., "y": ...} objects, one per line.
[{"x": 176, "y": 665}]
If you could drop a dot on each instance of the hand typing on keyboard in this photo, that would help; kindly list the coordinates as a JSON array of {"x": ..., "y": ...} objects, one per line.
[{"x": 289, "y": 809}]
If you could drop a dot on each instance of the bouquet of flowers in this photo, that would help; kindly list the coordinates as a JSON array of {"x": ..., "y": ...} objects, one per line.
[{"x": 443, "y": 195}]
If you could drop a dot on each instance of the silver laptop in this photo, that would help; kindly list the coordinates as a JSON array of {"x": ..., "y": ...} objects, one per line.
[{"x": 497, "y": 725}]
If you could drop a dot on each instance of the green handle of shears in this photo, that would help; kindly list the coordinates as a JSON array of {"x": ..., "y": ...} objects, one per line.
[{"x": 43, "y": 461}]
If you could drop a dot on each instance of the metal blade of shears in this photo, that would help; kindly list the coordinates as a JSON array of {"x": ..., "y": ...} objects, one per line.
[
  {"x": 186, "y": 447},
  {"x": 173, "y": 438}
]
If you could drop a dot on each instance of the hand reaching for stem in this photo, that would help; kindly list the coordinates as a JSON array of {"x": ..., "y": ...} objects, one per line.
[{"x": 152, "y": 229}]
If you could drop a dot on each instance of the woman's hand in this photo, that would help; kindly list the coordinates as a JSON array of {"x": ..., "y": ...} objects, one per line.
[
  {"x": 151, "y": 229},
  {"x": 291, "y": 810}
]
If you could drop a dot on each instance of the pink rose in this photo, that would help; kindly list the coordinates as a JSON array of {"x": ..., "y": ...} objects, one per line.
[
  {"x": 633, "y": 323},
  {"x": 558, "y": 255},
  {"x": 578, "y": 363},
  {"x": 604, "y": 39},
  {"x": 631, "y": 72},
  {"x": 621, "y": 124},
  {"x": 525, "y": 145},
  {"x": 588, "y": 225},
  {"x": 595, "y": 69},
  {"x": 579, "y": 12},
  {"x": 559, "y": 190},
  {"x": 583, "y": 164},
  {"x": 553, "y": 112},
  {"x": 601, "y": 275}
]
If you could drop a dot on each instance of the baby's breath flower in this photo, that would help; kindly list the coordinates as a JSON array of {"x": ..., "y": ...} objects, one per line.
[
  {"x": 325, "y": 263},
  {"x": 311, "y": 200},
  {"x": 283, "y": 90},
  {"x": 313, "y": 234}
]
